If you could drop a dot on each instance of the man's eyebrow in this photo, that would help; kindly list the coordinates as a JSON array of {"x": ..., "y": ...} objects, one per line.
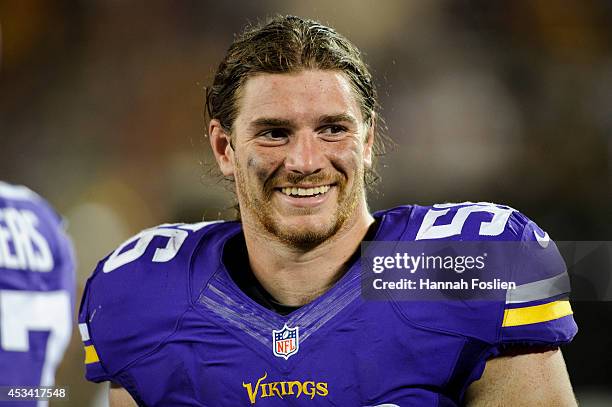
[
  {"x": 335, "y": 118},
  {"x": 270, "y": 122},
  {"x": 325, "y": 119}
]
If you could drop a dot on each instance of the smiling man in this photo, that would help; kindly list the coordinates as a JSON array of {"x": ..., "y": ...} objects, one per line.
[
  {"x": 267, "y": 310},
  {"x": 313, "y": 185}
]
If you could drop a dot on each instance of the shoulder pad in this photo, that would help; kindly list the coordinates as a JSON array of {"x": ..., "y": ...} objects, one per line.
[
  {"x": 536, "y": 312},
  {"x": 136, "y": 296}
]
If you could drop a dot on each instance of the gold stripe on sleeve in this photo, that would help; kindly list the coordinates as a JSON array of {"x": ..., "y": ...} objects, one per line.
[
  {"x": 91, "y": 356},
  {"x": 536, "y": 313}
]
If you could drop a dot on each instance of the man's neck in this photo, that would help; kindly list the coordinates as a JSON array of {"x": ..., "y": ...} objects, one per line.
[{"x": 294, "y": 276}]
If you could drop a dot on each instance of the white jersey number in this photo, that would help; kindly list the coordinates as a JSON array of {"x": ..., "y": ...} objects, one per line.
[
  {"x": 176, "y": 234},
  {"x": 25, "y": 311},
  {"x": 494, "y": 227}
]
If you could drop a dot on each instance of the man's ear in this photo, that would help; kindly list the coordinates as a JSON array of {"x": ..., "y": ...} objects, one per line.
[
  {"x": 369, "y": 142},
  {"x": 221, "y": 146}
]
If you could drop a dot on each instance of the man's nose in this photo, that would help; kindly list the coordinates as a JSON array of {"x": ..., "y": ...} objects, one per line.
[{"x": 304, "y": 155}]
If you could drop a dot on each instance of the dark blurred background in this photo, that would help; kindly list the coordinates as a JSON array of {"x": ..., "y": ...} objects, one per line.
[{"x": 101, "y": 111}]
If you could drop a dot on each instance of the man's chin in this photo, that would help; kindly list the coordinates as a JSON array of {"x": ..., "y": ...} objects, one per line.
[{"x": 304, "y": 236}]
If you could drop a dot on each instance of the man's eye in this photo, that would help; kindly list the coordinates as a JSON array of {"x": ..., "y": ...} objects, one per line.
[
  {"x": 333, "y": 130},
  {"x": 274, "y": 134}
]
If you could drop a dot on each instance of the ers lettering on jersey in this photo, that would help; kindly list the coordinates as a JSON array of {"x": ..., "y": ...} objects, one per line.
[{"x": 22, "y": 246}]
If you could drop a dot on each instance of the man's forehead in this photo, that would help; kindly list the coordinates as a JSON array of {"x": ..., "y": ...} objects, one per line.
[{"x": 306, "y": 93}]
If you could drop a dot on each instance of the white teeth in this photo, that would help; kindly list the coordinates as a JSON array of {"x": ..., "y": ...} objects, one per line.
[{"x": 305, "y": 191}]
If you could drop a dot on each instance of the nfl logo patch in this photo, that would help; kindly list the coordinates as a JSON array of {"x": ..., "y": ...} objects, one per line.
[{"x": 286, "y": 342}]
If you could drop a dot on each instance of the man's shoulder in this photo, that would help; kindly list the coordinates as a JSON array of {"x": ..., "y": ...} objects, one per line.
[
  {"x": 536, "y": 311},
  {"x": 157, "y": 259},
  {"x": 138, "y": 293}
]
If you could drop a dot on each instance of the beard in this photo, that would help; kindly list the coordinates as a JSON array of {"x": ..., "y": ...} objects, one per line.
[{"x": 256, "y": 198}]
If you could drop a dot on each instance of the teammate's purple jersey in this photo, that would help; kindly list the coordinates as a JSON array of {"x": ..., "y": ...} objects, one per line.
[
  {"x": 37, "y": 285},
  {"x": 162, "y": 317}
]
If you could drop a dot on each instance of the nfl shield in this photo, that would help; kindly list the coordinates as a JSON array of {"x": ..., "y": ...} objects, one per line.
[{"x": 286, "y": 342}]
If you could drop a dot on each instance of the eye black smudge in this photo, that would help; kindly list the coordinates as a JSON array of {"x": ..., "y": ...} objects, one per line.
[
  {"x": 263, "y": 174},
  {"x": 260, "y": 172}
]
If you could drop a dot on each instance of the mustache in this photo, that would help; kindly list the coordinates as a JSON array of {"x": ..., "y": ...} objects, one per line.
[{"x": 292, "y": 179}]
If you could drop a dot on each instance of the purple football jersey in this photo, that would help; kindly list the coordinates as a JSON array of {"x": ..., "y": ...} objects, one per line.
[
  {"x": 162, "y": 317},
  {"x": 37, "y": 285}
]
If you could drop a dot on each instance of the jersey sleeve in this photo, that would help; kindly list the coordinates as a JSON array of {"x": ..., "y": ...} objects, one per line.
[
  {"x": 135, "y": 298},
  {"x": 95, "y": 370},
  {"x": 537, "y": 311}
]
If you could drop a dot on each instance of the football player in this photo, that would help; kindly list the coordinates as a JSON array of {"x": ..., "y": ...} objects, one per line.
[
  {"x": 37, "y": 285},
  {"x": 267, "y": 310}
]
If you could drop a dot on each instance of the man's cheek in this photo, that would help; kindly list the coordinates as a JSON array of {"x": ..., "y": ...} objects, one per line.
[
  {"x": 262, "y": 170},
  {"x": 346, "y": 166}
]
